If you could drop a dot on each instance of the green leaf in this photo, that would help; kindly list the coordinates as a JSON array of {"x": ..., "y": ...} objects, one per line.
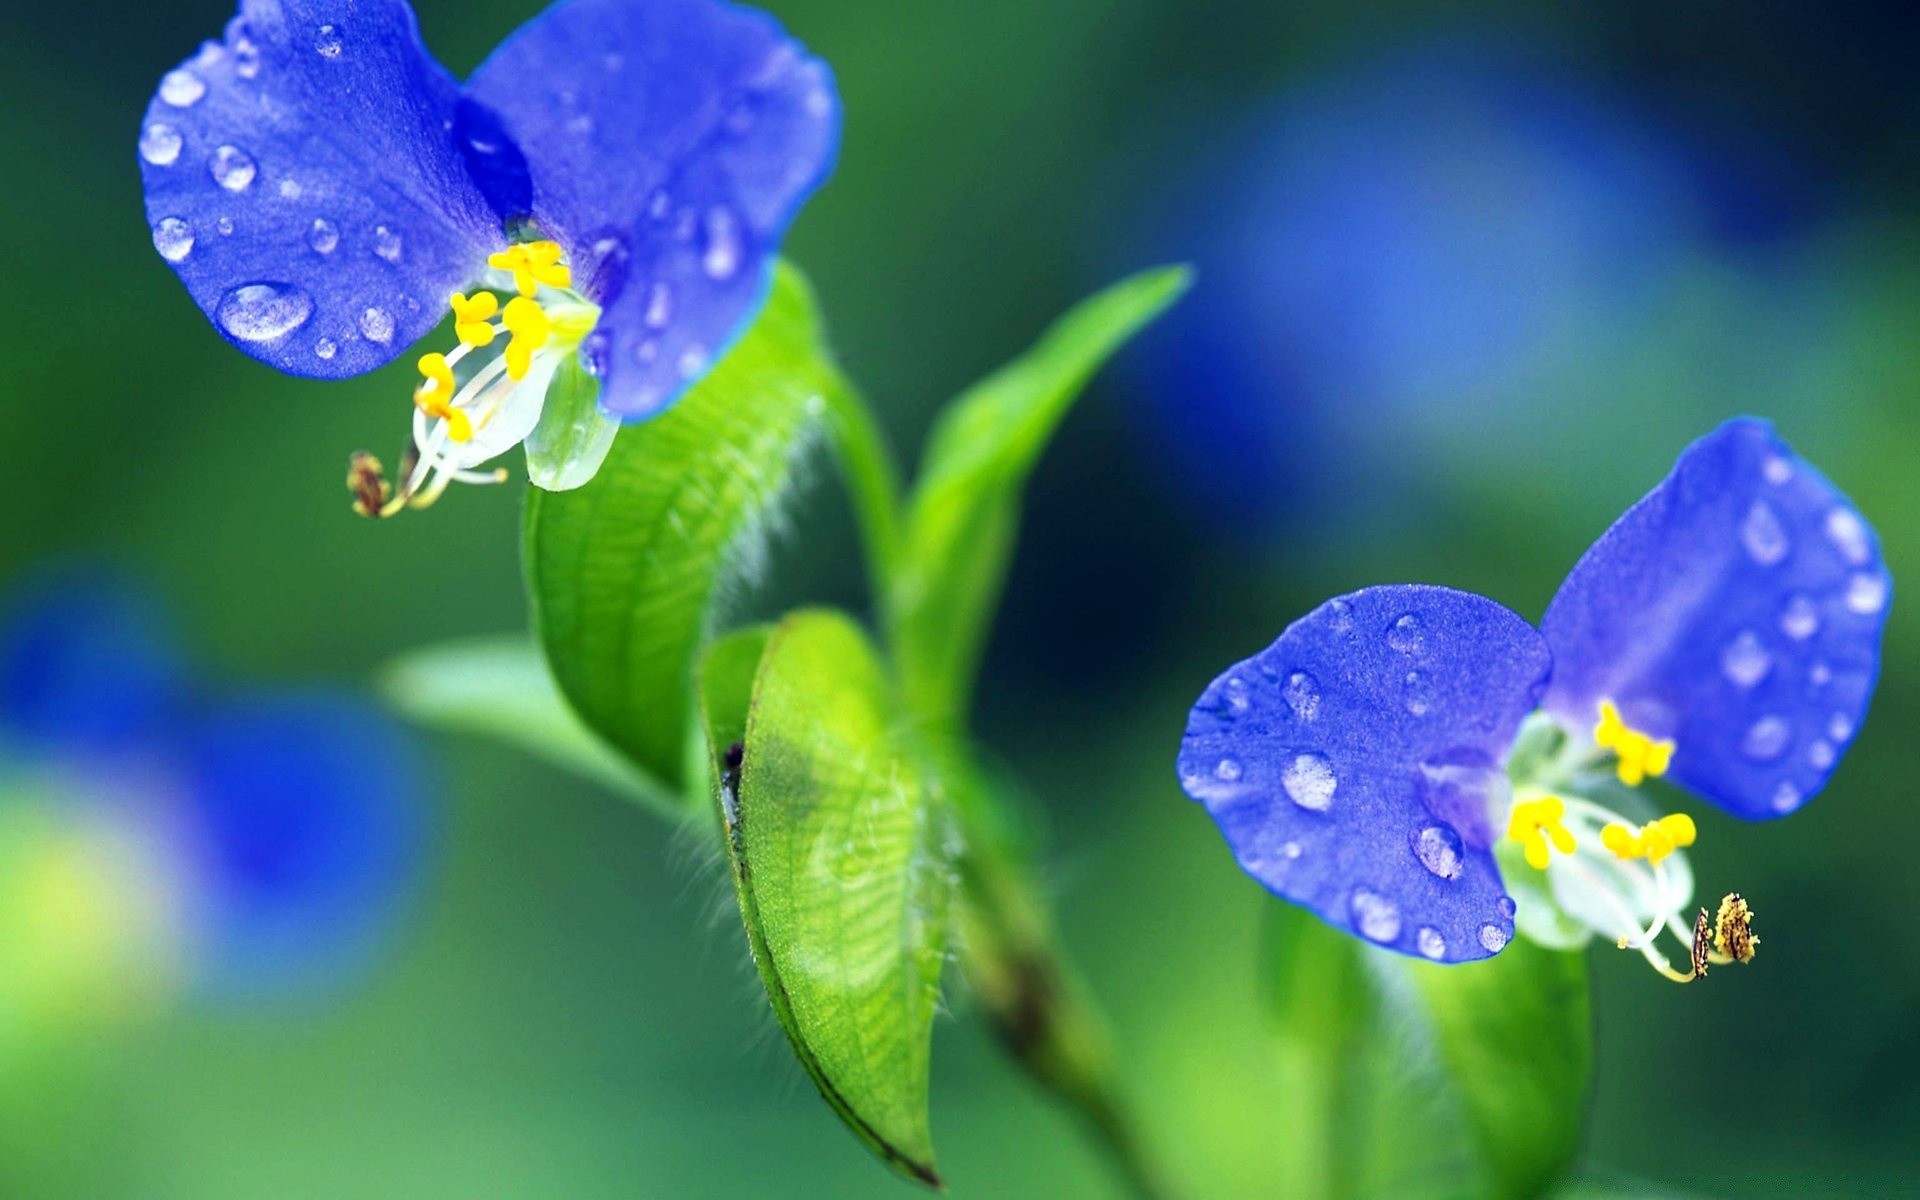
[
  {"x": 1422, "y": 1080},
  {"x": 625, "y": 572},
  {"x": 963, "y": 516},
  {"x": 498, "y": 688},
  {"x": 835, "y": 838}
]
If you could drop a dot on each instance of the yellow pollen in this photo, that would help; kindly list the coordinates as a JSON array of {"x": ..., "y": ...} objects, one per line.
[
  {"x": 435, "y": 397},
  {"x": 1640, "y": 755},
  {"x": 532, "y": 264},
  {"x": 528, "y": 323},
  {"x": 1653, "y": 841},
  {"x": 470, "y": 317},
  {"x": 1537, "y": 823}
]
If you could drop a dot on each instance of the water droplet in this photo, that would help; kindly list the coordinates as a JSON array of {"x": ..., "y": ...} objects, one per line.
[
  {"x": 693, "y": 360},
  {"x": 387, "y": 243},
  {"x": 1799, "y": 617},
  {"x": 1494, "y": 938},
  {"x": 1766, "y": 739},
  {"x": 686, "y": 223},
  {"x": 659, "y": 304},
  {"x": 1820, "y": 754},
  {"x": 325, "y": 348},
  {"x": 1374, "y": 915},
  {"x": 1786, "y": 798},
  {"x": 1310, "y": 782},
  {"x": 377, "y": 325},
  {"x": 1776, "y": 469},
  {"x": 232, "y": 168},
  {"x": 818, "y": 103},
  {"x": 1508, "y": 907},
  {"x": 289, "y": 189},
  {"x": 1820, "y": 675},
  {"x": 580, "y": 124},
  {"x": 1406, "y": 636},
  {"x": 1763, "y": 535},
  {"x": 1227, "y": 770},
  {"x": 1866, "y": 592},
  {"x": 246, "y": 53},
  {"x": 326, "y": 43},
  {"x": 646, "y": 351},
  {"x": 1848, "y": 533},
  {"x": 1291, "y": 850},
  {"x": 1840, "y": 727},
  {"x": 606, "y": 276},
  {"x": 261, "y": 312},
  {"x": 1237, "y": 701},
  {"x": 1438, "y": 849},
  {"x": 323, "y": 235},
  {"x": 160, "y": 144},
  {"x": 1744, "y": 660},
  {"x": 1340, "y": 616},
  {"x": 1302, "y": 694},
  {"x": 1419, "y": 693},
  {"x": 1431, "y": 944},
  {"x": 659, "y": 204},
  {"x": 182, "y": 88},
  {"x": 224, "y": 225},
  {"x": 595, "y": 352},
  {"x": 173, "y": 238},
  {"x": 721, "y": 258}
]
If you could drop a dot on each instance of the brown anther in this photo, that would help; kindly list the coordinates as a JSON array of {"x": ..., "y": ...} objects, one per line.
[
  {"x": 367, "y": 480},
  {"x": 1701, "y": 944},
  {"x": 1733, "y": 929}
]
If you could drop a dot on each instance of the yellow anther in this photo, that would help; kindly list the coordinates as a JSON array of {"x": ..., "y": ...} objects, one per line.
[
  {"x": 1538, "y": 825},
  {"x": 435, "y": 397},
  {"x": 1640, "y": 755},
  {"x": 1653, "y": 841},
  {"x": 530, "y": 328},
  {"x": 532, "y": 264},
  {"x": 470, "y": 317}
]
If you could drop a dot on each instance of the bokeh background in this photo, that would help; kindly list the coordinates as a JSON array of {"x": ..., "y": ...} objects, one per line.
[{"x": 1470, "y": 277}]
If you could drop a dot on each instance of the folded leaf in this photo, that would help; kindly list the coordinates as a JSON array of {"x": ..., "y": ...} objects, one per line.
[
  {"x": 625, "y": 572},
  {"x": 963, "y": 515},
  {"x": 834, "y": 833}
]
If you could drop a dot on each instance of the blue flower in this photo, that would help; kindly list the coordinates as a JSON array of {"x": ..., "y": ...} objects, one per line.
[
  {"x": 271, "y": 836},
  {"x": 1408, "y": 761},
  {"x": 613, "y": 182}
]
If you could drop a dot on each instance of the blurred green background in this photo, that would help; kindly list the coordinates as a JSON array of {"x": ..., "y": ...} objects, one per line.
[{"x": 570, "y": 1012}]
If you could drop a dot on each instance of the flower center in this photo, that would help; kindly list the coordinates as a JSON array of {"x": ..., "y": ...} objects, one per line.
[{"x": 484, "y": 396}]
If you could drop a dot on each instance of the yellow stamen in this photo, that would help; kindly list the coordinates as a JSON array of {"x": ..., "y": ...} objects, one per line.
[
  {"x": 435, "y": 397},
  {"x": 533, "y": 264},
  {"x": 1653, "y": 841},
  {"x": 470, "y": 318},
  {"x": 530, "y": 328},
  {"x": 1539, "y": 826},
  {"x": 1640, "y": 755}
]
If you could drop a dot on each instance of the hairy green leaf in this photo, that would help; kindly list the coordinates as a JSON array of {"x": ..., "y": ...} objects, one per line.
[
  {"x": 963, "y": 516},
  {"x": 1417, "y": 1080},
  {"x": 834, "y": 832},
  {"x": 625, "y": 572},
  {"x": 498, "y": 688}
]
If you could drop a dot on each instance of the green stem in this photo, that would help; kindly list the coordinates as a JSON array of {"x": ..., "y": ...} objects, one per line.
[{"x": 873, "y": 486}]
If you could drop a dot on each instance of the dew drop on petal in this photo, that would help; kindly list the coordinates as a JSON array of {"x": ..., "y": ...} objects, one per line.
[
  {"x": 1744, "y": 660},
  {"x": 323, "y": 235},
  {"x": 1375, "y": 916},
  {"x": 1227, "y": 770},
  {"x": 1776, "y": 469},
  {"x": 1310, "y": 782},
  {"x": 173, "y": 238},
  {"x": 721, "y": 259},
  {"x": 1494, "y": 938},
  {"x": 261, "y": 312},
  {"x": 1820, "y": 754},
  {"x": 1840, "y": 727},
  {"x": 659, "y": 305},
  {"x": 1438, "y": 849},
  {"x": 232, "y": 168},
  {"x": 160, "y": 144},
  {"x": 1848, "y": 533},
  {"x": 1419, "y": 693},
  {"x": 659, "y": 204},
  {"x": 1763, "y": 535},
  {"x": 181, "y": 88},
  {"x": 1339, "y": 616},
  {"x": 325, "y": 348},
  {"x": 1406, "y": 636},
  {"x": 1302, "y": 694},
  {"x": 1866, "y": 592},
  {"x": 1786, "y": 798},
  {"x": 1236, "y": 698},
  {"x": 377, "y": 325},
  {"x": 326, "y": 43},
  {"x": 693, "y": 360},
  {"x": 1766, "y": 739},
  {"x": 594, "y": 353},
  {"x": 1820, "y": 674},
  {"x": 1291, "y": 850},
  {"x": 1799, "y": 617},
  {"x": 387, "y": 243},
  {"x": 1430, "y": 943},
  {"x": 224, "y": 225},
  {"x": 645, "y": 351},
  {"x": 1508, "y": 907}
]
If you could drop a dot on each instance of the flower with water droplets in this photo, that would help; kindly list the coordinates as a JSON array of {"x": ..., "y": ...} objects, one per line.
[
  {"x": 1723, "y": 635},
  {"x": 605, "y": 195}
]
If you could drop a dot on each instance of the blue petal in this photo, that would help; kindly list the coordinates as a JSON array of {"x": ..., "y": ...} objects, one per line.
[
  {"x": 670, "y": 144},
  {"x": 306, "y": 811},
  {"x": 87, "y": 664},
  {"x": 1736, "y": 609},
  {"x": 304, "y": 181},
  {"x": 1353, "y": 764}
]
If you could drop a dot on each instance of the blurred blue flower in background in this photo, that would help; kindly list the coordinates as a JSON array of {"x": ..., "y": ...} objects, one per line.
[
  {"x": 155, "y": 838},
  {"x": 1437, "y": 251},
  {"x": 322, "y": 186},
  {"x": 1724, "y": 632}
]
